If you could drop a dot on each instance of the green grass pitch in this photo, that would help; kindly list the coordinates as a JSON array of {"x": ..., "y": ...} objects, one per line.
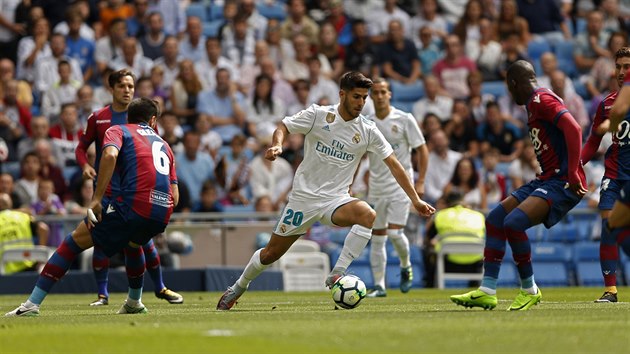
[{"x": 423, "y": 321}]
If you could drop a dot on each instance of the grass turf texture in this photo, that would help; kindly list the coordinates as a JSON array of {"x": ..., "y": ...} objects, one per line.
[{"x": 567, "y": 321}]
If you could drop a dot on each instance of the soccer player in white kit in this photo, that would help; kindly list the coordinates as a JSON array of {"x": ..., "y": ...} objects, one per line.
[
  {"x": 386, "y": 197},
  {"x": 335, "y": 139}
]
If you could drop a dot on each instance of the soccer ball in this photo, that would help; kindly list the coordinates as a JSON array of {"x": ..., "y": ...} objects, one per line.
[{"x": 348, "y": 291}]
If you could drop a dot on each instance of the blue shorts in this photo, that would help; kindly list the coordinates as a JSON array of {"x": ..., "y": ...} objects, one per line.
[
  {"x": 609, "y": 192},
  {"x": 624, "y": 195},
  {"x": 559, "y": 198},
  {"x": 120, "y": 225}
]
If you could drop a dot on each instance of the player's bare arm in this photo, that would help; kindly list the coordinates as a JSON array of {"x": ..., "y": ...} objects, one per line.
[
  {"x": 405, "y": 182},
  {"x": 573, "y": 134},
  {"x": 276, "y": 144},
  {"x": 619, "y": 108},
  {"x": 423, "y": 162},
  {"x": 106, "y": 170}
]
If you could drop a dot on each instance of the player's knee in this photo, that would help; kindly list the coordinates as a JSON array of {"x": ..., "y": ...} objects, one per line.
[
  {"x": 496, "y": 216},
  {"x": 517, "y": 220},
  {"x": 269, "y": 255},
  {"x": 368, "y": 218}
]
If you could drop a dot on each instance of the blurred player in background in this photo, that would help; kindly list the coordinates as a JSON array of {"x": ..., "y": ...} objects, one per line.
[
  {"x": 557, "y": 138},
  {"x": 336, "y": 137},
  {"x": 122, "y": 83},
  {"x": 137, "y": 211},
  {"x": 387, "y": 197},
  {"x": 616, "y": 175}
]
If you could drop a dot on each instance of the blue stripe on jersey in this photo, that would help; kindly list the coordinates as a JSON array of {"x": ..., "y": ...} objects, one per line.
[
  {"x": 557, "y": 117},
  {"x": 130, "y": 174},
  {"x": 557, "y": 140},
  {"x": 118, "y": 118}
]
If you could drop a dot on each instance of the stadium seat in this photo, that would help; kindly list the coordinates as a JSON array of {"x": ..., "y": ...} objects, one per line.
[
  {"x": 407, "y": 92},
  {"x": 212, "y": 28},
  {"x": 495, "y": 88},
  {"x": 562, "y": 232},
  {"x": 272, "y": 11},
  {"x": 197, "y": 10},
  {"x": 580, "y": 89},
  {"x": 471, "y": 245},
  {"x": 536, "y": 48},
  {"x": 304, "y": 246},
  {"x": 587, "y": 268},
  {"x": 249, "y": 208},
  {"x": 564, "y": 54},
  {"x": 405, "y": 106},
  {"x": 552, "y": 264},
  {"x": 17, "y": 252},
  {"x": 304, "y": 271},
  {"x": 215, "y": 12},
  {"x": 12, "y": 168}
]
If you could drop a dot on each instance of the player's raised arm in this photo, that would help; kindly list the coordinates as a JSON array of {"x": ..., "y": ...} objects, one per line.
[
  {"x": 403, "y": 180},
  {"x": 595, "y": 138},
  {"x": 423, "y": 163},
  {"x": 276, "y": 144},
  {"x": 86, "y": 139}
]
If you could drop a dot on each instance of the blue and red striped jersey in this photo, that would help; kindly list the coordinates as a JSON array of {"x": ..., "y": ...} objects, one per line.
[
  {"x": 544, "y": 110},
  {"x": 145, "y": 168}
]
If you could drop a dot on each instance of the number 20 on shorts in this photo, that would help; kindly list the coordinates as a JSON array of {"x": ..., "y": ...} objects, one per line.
[{"x": 293, "y": 218}]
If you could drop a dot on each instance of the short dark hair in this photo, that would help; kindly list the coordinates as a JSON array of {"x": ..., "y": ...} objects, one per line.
[
  {"x": 116, "y": 76},
  {"x": 141, "y": 110},
  {"x": 623, "y": 52},
  {"x": 67, "y": 105},
  {"x": 354, "y": 79}
]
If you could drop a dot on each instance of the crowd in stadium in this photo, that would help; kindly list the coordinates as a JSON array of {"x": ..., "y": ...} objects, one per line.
[{"x": 226, "y": 72}]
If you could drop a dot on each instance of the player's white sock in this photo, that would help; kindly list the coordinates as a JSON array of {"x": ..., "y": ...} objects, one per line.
[
  {"x": 401, "y": 245},
  {"x": 355, "y": 242},
  {"x": 378, "y": 259},
  {"x": 252, "y": 270}
]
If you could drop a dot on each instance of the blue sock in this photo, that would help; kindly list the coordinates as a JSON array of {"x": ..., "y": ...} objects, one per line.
[
  {"x": 153, "y": 265},
  {"x": 495, "y": 247},
  {"x": 134, "y": 266},
  {"x": 100, "y": 266},
  {"x": 515, "y": 225}
]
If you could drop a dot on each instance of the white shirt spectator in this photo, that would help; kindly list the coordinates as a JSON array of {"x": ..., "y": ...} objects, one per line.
[
  {"x": 207, "y": 72},
  {"x": 85, "y": 31},
  {"x": 47, "y": 72},
  {"x": 438, "y": 175},
  {"x": 141, "y": 65},
  {"x": 324, "y": 88},
  {"x": 7, "y": 10},
  {"x": 270, "y": 180},
  {"x": 378, "y": 21},
  {"x": 25, "y": 48},
  {"x": 441, "y": 106}
]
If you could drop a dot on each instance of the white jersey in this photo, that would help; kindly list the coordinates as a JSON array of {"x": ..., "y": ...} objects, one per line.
[
  {"x": 402, "y": 132},
  {"x": 332, "y": 151}
]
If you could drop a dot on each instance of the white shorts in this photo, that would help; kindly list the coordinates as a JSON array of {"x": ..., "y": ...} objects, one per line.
[
  {"x": 298, "y": 216},
  {"x": 390, "y": 211}
]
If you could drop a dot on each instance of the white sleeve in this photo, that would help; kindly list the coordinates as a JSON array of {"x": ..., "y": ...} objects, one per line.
[
  {"x": 414, "y": 135},
  {"x": 378, "y": 145},
  {"x": 301, "y": 122}
]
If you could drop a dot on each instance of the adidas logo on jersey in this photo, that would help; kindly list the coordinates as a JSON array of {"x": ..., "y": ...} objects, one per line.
[{"x": 326, "y": 127}]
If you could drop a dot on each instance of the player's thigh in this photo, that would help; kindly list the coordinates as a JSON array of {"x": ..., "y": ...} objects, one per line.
[
  {"x": 353, "y": 212},
  {"x": 619, "y": 215},
  {"x": 81, "y": 235},
  {"x": 536, "y": 208}
]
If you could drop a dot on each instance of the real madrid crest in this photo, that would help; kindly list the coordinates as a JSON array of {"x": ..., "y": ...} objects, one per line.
[
  {"x": 394, "y": 129},
  {"x": 283, "y": 228},
  {"x": 330, "y": 117},
  {"x": 356, "y": 138}
]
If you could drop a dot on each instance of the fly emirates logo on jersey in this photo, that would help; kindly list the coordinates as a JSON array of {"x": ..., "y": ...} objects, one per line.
[{"x": 335, "y": 149}]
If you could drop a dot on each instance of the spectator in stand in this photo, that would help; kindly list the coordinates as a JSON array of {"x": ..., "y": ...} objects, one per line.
[
  {"x": 573, "y": 101},
  {"x": 31, "y": 48},
  {"x": 452, "y": 10},
  {"x": 82, "y": 191},
  {"x": 194, "y": 167},
  {"x": 544, "y": 19},
  {"x": 233, "y": 172},
  {"x": 49, "y": 168},
  {"x": 256, "y": 22},
  {"x": 302, "y": 90},
  {"x": 361, "y": 55},
  {"x": 613, "y": 20},
  {"x": 7, "y": 186},
  {"x": 460, "y": 130},
  {"x": 46, "y": 68},
  {"x": 379, "y": 22},
  {"x": 297, "y": 22},
  {"x": 433, "y": 102},
  {"x": 429, "y": 51},
  {"x": 400, "y": 60},
  {"x": 264, "y": 112},
  {"x": 320, "y": 86},
  {"x": 238, "y": 42},
  {"x": 477, "y": 101},
  {"x": 169, "y": 62},
  {"x": 270, "y": 179},
  {"x": 26, "y": 186},
  {"x": 184, "y": 93},
  {"x": 341, "y": 23},
  {"x": 65, "y": 135},
  {"x": 153, "y": 41},
  {"x": 597, "y": 80},
  {"x": 207, "y": 68},
  {"x": 509, "y": 21},
  {"x": 442, "y": 161},
  {"x": 24, "y": 92},
  {"x": 297, "y": 67},
  {"x": 493, "y": 181},
  {"x": 61, "y": 92},
  {"x": 10, "y": 30},
  {"x": 549, "y": 65},
  {"x": 39, "y": 130},
  {"x": 331, "y": 49},
  {"x": 465, "y": 180},
  {"x": 511, "y": 53},
  {"x": 279, "y": 48},
  {"x": 49, "y": 203},
  {"x": 211, "y": 141},
  {"x": 173, "y": 13},
  {"x": 486, "y": 52},
  {"x": 157, "y": 79},
  {"x": 103, "y": 93},
  {"x": 191, "y": 45},
  {"x": 282, "y": 90},
  {"x": 361, "y": 9},
  {"x": 250, "y": 71},
  {"x": 171, "y": 131},
  {"x": 499, "y": 133},
  {"x": 591, "y": 44},
  {"x": 112, "y": 10},
  {"x": 78, "y": 47},
  {"x": 109, "y": 47},
  {"x": 429, "y": 125},
  {"x": 525, "y": 167},
  {"x": 15, "y": 120},
  {"x": 224, "y": 105},
  {"x": 83, "y": 29},
  {"x": 428, "y": 16},
  {"x": 452, "y": 70},
  {"x": 467, "y": 28},
  {"x": 137, "y": 24},
  {"x": 209, "y": 201},
  {"x": 85, "y": 103},
  {"x": 132, "y": 59}
]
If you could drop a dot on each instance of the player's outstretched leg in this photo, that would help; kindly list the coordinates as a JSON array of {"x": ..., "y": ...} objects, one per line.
[
  {"x": 100, "y": 266},
  {"x": 355, "y": 242},
  {"x": 401, "y": 245},
  {"x": 55, "y": 269},
  {"x": 134, "y": 266},
  {"x": 608, "y": 258},
  {"x": 234, "y": 292},
  {"x": 378, "y": 263},
  {"x": 155, "y": 272}
]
